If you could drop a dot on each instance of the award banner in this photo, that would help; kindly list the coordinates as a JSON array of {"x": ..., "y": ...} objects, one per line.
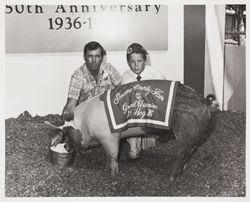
[{"x": 147, "y": 103}]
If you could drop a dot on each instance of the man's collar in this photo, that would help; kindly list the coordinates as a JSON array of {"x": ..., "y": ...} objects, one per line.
[{"x": 100, "y": 72}]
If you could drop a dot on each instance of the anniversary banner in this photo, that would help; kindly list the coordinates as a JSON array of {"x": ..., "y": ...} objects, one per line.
[
  {"x": 66, "y": 28},
  {"x": 147, "y": 103}
]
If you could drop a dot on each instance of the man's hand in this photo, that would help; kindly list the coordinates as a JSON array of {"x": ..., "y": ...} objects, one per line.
[{"x": 71, "y": 103}]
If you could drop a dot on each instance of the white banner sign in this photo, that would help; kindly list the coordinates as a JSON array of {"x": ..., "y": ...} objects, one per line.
[{"x": 67, "y": 28}]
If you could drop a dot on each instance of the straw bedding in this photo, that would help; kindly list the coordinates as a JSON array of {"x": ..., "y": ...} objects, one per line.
[{"x": 217, "y": 168}]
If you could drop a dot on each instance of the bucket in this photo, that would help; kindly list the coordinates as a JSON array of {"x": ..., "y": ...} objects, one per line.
[{"x": 61, "y": 158}]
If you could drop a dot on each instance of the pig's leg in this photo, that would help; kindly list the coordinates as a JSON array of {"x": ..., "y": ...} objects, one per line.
[
  {"x": 190, "y": 131},
  {"x": 111, "y": 146},
  {"x": 183, "y": 155}
]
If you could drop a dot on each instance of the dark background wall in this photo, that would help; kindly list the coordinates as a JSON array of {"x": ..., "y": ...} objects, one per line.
[{"x": 194, "y": 46}]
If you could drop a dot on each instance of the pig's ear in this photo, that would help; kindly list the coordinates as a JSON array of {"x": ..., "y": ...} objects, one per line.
[
  {"x": 69, "y": 116},
  {"x": 57, "y": 138}
]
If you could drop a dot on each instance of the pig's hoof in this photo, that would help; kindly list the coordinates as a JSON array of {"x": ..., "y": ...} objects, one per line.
[
  {"x": 134, "y": 156},
  {"x": 174, "y": 174},
  {"x": 114, "y": 169},
  {"x": 114, "y": 172},
  {"x": 172, "y": 178}
]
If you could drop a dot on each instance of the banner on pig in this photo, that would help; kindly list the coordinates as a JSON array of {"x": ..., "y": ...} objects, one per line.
[{"x": 147, "y": 103}]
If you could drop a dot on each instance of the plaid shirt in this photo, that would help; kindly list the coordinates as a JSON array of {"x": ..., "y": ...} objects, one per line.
[{"x": 83, "y": 85}]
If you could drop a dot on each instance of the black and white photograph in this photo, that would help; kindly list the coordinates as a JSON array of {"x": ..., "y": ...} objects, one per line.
[{"x": 128, "y": 99}]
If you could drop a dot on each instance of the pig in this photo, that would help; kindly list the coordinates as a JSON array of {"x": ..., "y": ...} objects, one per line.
[{"x": 87, "y": 125}]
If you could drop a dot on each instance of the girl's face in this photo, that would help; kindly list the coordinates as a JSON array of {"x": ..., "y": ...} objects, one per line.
[{"x": 137, "y": 63}]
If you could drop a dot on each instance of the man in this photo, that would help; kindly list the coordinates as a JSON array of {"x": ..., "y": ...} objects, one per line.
[
  {"x": 92, "y": 78},
  {"x": 139, "y": 70}
]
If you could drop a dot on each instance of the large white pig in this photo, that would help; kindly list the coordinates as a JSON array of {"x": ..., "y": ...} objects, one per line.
[{"x": 88, "y": 125}]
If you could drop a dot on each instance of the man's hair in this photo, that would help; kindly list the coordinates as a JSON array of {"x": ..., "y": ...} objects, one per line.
[{"x": 93, "y": 45}]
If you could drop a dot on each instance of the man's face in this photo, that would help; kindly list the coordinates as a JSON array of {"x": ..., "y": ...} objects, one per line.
[
  {"x": 136, "y": 63},
  {"x": 93, "y": 59}
]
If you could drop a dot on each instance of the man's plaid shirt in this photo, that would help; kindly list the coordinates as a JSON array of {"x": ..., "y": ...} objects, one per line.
[{"x": 83, "y": 85}]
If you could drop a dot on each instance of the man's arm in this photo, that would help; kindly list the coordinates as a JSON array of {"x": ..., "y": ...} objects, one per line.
[
  {"x": 115, "y": 76},
  {"x": 71, "y": 103}
]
